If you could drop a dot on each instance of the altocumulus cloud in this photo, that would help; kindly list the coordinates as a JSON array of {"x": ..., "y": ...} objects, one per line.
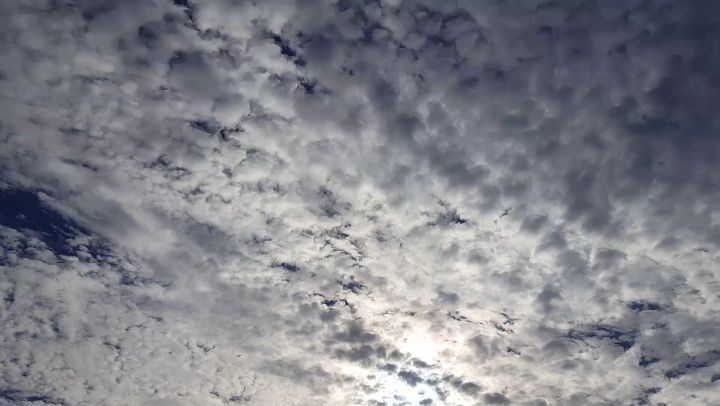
[{"x": 386, "y": 202}]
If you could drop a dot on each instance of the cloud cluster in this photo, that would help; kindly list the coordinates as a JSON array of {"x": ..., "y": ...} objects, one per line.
[{"x": 359, "y": 202}]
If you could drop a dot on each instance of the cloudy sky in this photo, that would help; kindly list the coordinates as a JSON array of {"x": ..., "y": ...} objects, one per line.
[{"x": 359, "y": 202}]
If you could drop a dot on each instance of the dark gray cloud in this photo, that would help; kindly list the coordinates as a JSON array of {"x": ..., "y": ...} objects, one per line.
[{"x": 372, "y": 202}]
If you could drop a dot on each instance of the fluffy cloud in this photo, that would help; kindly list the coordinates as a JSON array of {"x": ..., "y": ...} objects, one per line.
[{"x": 351, "y": 202}]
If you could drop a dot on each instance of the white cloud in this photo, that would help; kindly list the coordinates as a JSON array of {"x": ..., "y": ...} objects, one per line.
[{"x": 338, "y": 202}]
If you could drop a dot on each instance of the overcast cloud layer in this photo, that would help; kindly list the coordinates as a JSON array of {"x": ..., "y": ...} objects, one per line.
[{"x": 382, "y": 202}]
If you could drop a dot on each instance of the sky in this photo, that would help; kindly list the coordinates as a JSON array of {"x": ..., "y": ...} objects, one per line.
[{"x": 359, "y": 202}]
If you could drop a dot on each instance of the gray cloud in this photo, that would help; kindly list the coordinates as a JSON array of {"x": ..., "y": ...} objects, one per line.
[{"x": 338, "y": 202}]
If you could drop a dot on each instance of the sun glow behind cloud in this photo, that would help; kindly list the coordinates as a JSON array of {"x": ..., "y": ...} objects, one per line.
[{"x": 421, "y": 345}]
